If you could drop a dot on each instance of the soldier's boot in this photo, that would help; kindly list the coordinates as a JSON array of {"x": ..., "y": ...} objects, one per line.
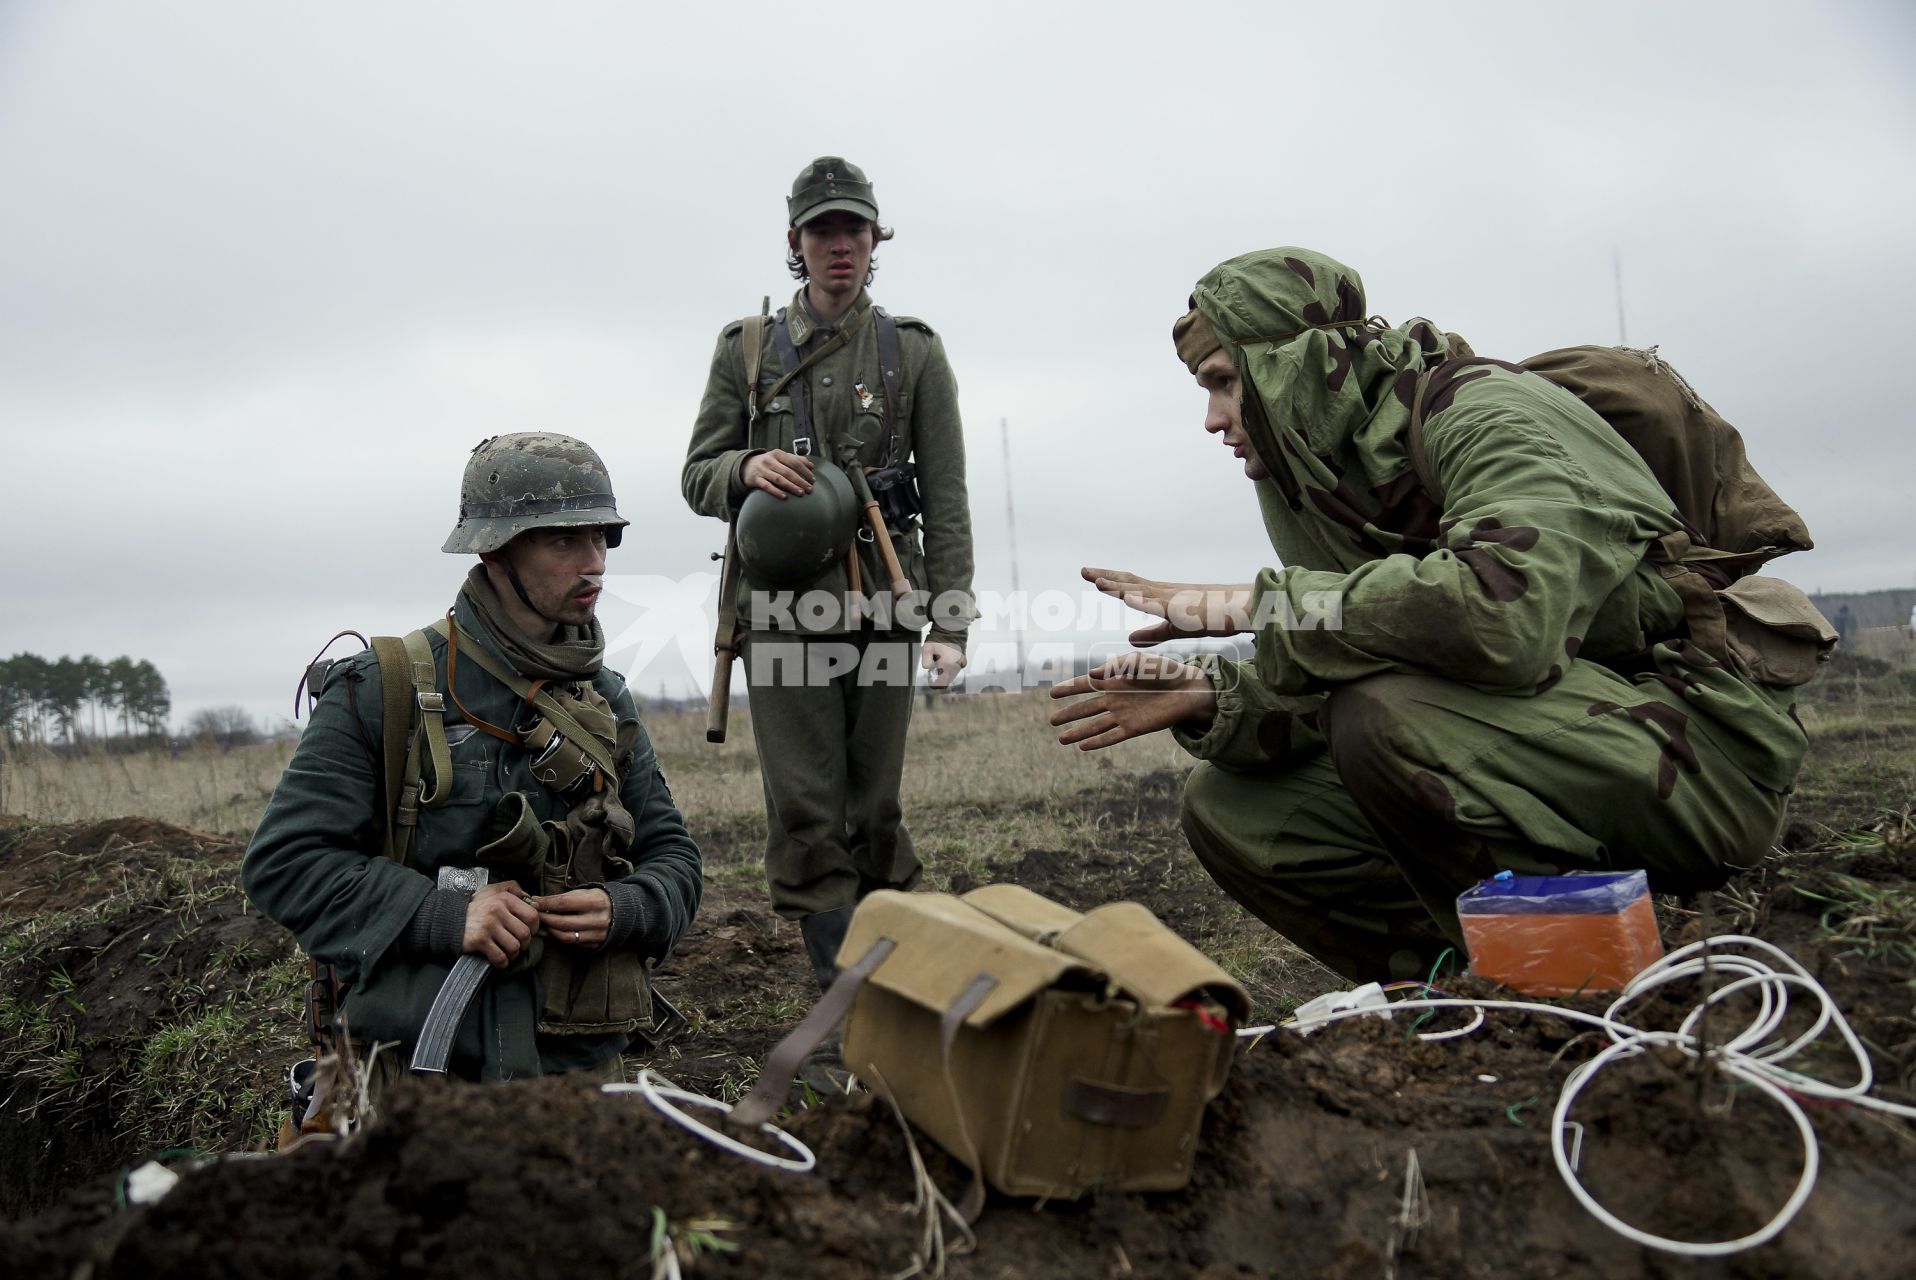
[
  {"x": 824, "y": 933},
  {"x": 823, "y": 1070}
]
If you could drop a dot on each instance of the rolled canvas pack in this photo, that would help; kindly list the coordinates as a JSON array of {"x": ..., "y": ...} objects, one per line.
[{"x": 1054, "y": 1052}]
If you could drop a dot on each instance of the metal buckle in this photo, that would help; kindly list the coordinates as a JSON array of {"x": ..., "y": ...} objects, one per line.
[
  {"x": 433, "y": 703},
  {"x": 802, "y": 446}
]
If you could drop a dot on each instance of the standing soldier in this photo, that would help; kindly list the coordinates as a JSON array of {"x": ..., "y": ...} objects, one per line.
[{"x": 829, "y": 398}]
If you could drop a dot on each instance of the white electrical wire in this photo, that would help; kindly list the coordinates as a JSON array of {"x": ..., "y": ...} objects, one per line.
[
  {"x": 1738, "y": 1055},
  {"x": 661, "y": 1094}
]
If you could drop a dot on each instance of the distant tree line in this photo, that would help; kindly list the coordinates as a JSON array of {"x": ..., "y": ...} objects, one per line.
[{"x": 70, "y": 699}]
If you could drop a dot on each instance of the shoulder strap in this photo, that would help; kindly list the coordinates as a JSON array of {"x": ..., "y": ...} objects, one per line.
[
  {"x": 412, "y": 716},
  {"x": 1414, "y": 442},
  {"x": 890, "y": 368},
  {"x": 395, "y": 711},
  {"x": 789, "y": 361},
  {"x": 752, "y": 335}
]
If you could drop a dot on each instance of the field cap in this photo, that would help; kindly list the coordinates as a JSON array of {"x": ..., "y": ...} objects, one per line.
[{"x": 826, "y": 185}]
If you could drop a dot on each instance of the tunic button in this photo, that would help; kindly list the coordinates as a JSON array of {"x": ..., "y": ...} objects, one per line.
[{"x": 826, "y": 380}]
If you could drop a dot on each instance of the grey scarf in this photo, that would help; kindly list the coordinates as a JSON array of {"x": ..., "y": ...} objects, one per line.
[{"x": 572, "y": 654}]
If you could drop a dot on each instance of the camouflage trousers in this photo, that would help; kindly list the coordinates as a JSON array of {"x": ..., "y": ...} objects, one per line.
[
  {"x": 829, "y": 717},
  {"x": 1409, "y": 789}
]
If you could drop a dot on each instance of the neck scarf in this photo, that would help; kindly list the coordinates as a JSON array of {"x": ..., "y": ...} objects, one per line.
[{"x": 573, "y": 653}]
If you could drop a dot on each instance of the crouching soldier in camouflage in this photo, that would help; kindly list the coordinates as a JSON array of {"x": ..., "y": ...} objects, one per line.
[
  {"x": 1479, "y": 654},
  {"x": 488, "y": 794}
]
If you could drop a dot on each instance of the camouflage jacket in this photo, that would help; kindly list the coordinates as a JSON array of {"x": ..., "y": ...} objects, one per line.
[
  {"x": 315, "y": 863},
  {"x": 927, "y": 429},
  {"x": 1536, "y": 559}
]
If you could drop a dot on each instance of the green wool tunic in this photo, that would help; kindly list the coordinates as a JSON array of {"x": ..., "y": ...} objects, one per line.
[
  {"x": 1438, "y": 694},
  {"x": 846, "y": 396},
  {"x": 315, "y": 864}
]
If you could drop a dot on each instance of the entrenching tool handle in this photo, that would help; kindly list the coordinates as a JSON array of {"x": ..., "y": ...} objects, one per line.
[
  {"x": 900, "y": 585},
  {"x": 725, "y": 641},
  {"x": 719, "y": 709}
]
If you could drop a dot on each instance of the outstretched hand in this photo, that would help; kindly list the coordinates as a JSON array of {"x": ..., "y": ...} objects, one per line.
[
  {"x": 1132, "y": 695},
  {"x": 1186, "y": 609}
]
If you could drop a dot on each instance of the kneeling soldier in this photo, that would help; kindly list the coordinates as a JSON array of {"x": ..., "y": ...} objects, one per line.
[{"x": 518, "y": 816}]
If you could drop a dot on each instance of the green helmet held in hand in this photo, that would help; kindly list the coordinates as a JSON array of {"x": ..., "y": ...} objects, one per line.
[
  {"x": 532, "y": 480},
  {"x": 789, "y": 542}
]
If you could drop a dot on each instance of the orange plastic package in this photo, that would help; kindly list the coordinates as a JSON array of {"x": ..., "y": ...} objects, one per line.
[{"x": 1560, "y": 935}]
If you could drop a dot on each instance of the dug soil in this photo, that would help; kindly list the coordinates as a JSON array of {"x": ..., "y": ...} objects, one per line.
[{"x": 1358, "y": 1150}]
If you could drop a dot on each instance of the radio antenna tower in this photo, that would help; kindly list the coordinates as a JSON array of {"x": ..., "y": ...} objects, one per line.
[
  {"x": 1616, "y": 266},
  {"x": 1011, "y": 538}
]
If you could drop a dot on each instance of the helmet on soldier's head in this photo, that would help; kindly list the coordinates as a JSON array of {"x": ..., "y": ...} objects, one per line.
[
  {"x": 532, "y": 480},
  {"x": 827, "y": 184},
  {"x": 789, "y": 543}
]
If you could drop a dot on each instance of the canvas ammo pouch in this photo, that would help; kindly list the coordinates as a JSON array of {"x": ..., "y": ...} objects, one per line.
[
  {"x": 589, "y": 992},
  {"x": 1056, "y": 1053}
]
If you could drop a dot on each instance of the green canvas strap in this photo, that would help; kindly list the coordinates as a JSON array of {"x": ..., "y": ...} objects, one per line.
[
  {"x": 413, "y": 720},
  {"x": 552, "y": 708},
  {"x": 429, "y": 726},
  {"x": 752, "y": 338}
]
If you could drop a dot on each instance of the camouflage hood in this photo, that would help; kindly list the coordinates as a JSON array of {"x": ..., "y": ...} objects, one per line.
[{"x": 1326, "y": 390}]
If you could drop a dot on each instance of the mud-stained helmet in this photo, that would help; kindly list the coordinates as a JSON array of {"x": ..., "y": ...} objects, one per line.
[
  {"x": 788, "y": 543},
  {"x": 532, "y": 480}
]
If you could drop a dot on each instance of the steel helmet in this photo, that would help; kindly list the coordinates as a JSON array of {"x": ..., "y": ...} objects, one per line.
[
  {"x": 532, "y": 480},
  {"x": 790, "y": 542}
]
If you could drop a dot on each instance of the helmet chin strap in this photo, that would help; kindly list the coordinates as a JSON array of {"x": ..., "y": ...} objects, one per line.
[{"x": 519, "y": 589}]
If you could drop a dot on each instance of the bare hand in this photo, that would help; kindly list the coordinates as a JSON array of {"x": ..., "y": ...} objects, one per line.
[
  {"x": 778, "y": 473},
  {"x": 943, "y": 661},
  {"x": 1134, "y": 694},
  {"x": 499, "y": 922},
  {"x": 1188, "y": 609},
  {"x": 578, "y": 918}
]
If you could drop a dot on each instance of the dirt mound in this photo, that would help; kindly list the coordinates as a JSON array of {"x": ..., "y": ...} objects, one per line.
[
  {"x": 181, "y": 998},
  {"x": 59, "y": 868},
  {"x": 143, "y": 1003},
  {"x": 1304, "y": 1159}
]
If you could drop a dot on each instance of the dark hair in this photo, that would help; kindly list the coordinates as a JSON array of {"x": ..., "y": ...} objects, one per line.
[{"x": 796, "y": 264}]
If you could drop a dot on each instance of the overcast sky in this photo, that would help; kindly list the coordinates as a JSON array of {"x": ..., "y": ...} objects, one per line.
[{"x": 267, "y": 273}]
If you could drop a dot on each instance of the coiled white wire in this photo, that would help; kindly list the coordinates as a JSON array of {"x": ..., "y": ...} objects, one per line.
[{"x": 1754, "y": 1055}]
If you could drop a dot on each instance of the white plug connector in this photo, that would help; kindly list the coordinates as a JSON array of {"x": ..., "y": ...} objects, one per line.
[{"x": 1313, "y": 1013}]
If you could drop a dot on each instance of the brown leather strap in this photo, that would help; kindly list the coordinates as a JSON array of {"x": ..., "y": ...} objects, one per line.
[
  {"x": 767, "y": 1095},
  {"x": 963, "y": 1007},
  {"x": 1119, "y": 1106},
  {"x": 452, "y": 688}
]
